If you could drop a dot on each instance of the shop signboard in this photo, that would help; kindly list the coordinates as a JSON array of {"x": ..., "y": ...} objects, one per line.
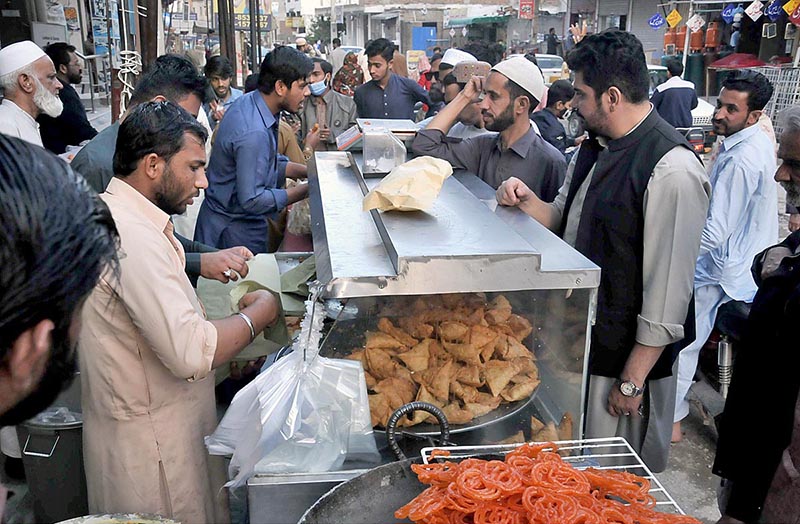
[
  {"x": 773, "y": 11},
  {"x": 674, "y": 18},
  {"x": 526, "y": 8},
  {"x": 755, "y": 10},
  {"x": 793, "y": 10},
  {"x": 728, "y": 12},
  {"x": 241, "y": 21},
  {"x": 656, "y": 21},
  {"x": 695, "y": 23}
]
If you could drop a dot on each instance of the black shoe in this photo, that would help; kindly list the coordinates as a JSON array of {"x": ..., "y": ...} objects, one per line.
[{"x": 14, "y": 469}]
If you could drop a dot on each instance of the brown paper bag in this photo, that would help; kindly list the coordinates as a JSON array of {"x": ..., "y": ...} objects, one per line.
[{"x": 412, "y": 186}]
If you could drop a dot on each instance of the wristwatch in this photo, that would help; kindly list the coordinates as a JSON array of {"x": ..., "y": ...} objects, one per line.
[{"x": 629, "y": 389}]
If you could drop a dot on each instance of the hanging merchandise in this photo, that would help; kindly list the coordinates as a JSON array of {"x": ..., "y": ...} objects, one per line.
[
  {"x": 656, "y": 21},
  {"x": 727, "y": 13},
  {"x": 793, "y": 10},
  {"x": 695, "y": 23},
  {"x": 674, "y": 18},
  {"x": 773, "y": 11},
  {"x": 755, "y": 10}
]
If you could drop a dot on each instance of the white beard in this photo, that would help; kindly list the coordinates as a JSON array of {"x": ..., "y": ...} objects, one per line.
[{"x": 47, "y": 102}]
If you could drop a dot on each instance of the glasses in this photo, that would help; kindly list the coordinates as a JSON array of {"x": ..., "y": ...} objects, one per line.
[{"x": 432, "y": 74}]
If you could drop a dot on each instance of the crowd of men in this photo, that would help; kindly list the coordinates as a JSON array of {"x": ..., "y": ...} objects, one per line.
[{"x": 112, "y": 276}]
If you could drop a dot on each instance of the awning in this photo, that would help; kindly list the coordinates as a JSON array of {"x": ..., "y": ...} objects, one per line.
[
  {"x": 462, "y": 22},
  {"x": 385, "y": 16},
  {"x": 737, "y": 61}
]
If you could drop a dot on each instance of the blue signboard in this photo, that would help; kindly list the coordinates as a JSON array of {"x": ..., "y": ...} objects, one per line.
[
  {"x": 774, "y": 10},
  {"x": 727, "y": 13},
  {"x": 656, "y": 21}
]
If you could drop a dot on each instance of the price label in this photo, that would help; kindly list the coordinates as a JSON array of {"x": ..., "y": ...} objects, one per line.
[
  {"x": 674, "y": 17},
  {"x": 695, "y": 23},
  {"x": 656, "y": 21},
  {"x": 755, "y": 10}
]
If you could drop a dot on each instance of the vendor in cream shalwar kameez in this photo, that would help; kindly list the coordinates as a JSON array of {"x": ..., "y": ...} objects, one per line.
[{"x": 146, "y": 350}]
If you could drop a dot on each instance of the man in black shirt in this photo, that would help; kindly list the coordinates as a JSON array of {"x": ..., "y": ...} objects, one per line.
[
  {"x": 547, "y": 120},
  {"x": 71, "y": 127}
]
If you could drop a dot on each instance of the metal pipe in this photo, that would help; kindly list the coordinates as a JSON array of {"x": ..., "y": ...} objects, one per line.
[
  {"x": 253, "y": 8},
  {"x": 725, "y": 365},
  {"x": 688, "y": 36}
]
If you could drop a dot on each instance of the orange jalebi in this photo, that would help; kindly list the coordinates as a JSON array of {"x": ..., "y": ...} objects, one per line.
[{"x": 532, "y": 486}]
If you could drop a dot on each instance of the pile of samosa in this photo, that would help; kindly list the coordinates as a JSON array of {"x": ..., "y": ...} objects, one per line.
[{"x": 457, "y": 352}]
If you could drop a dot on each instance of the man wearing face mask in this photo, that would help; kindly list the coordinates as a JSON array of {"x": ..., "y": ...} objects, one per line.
[
  {"x": 30, "y": 86},
  {"x": 742, "y": 216},
  {"x": 761, "y": 486},
  {"x": 52, "y": 251},
  {"x": 326, "y": 113}
]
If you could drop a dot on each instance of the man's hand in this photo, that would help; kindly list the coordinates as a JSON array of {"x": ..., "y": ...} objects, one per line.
[
  {"x": 297, "y": 193},
  {"x": 473, "y": 89},
  {"x": 794, "y": 222},
  {"x": 313, "y": 138},
  {"x": 225, "y": 265},
  {"x": 621, "y": 406},
  {"x": 217, "y": 110},
  {"x": 513, "y": 192},
  {"x": 262, "y": 308},
  {"x": 324, "y": 133}
]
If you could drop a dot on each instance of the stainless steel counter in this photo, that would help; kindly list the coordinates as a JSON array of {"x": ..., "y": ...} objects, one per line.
[{"x": 465, "y": 243}]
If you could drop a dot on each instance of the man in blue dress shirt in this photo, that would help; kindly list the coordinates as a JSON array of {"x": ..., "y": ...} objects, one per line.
[
  {"x": 742, "y": 216},
  {"x": 246, "y": 175},
  {"x": 387, "y": 95}
]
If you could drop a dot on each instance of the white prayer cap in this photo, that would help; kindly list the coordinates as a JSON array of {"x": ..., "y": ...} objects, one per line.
[
  {"x": 454, "y": 56},
  {"x": 16, "y": 56},
  {"x": 524, "y": 73}
]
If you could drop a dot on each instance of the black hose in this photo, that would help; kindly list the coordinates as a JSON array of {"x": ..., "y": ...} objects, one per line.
[{"x": 391, "y": 425}]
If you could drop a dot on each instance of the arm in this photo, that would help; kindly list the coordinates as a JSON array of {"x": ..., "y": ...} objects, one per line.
[
  {"x": 296, "y": 171},
  {"x": 656, "y": 99},
  {"x": 448, "y": 116},
  {"x": 419, "y": 94},
  {"x": 361, "y": 107},
  {"x": 462, "y": 154},
  {"x": 256, "y": 184},
  {"x": 694, "y": 100},
  {"x": 733, "y": 191},
  {"x": 514, "y": 192},
  {"x": 233, "y": 333}
]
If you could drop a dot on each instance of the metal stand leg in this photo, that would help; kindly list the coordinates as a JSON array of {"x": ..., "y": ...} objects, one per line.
[{"x": 725, "y": 363}]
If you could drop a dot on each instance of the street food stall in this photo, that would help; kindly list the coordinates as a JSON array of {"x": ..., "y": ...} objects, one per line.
[{"x": 474, "y": 308}]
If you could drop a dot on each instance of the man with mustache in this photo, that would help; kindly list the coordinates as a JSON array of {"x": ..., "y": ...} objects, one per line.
[
  {"x": 246, "y": 175},
  {"x": 634, "y": 202},
  {"x": 52, "y": 251},
  {"x": 30, "y": 85},
  {"x": 147, "y": 353},
  {"x": 506, "y": 98},
  {"x": 742, "y": 217},
  {"x": 759, "y": 484}
]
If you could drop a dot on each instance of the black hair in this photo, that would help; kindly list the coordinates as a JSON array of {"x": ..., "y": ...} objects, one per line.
[
  {"x": 675, "y": 67},
  {"x": 380, "y": 46},
  {"x": 251, "y": 82},
  {"x": 283, "y": 63},
  {"x": 153, "y": 127},
  {"x": 218, "y": 66},
  {"x": 758, "y": 88},
  {"x": 515, "y": 90},
  {"x": 59, "y": 53},
  {"x": 450, "y": 79},
  {"x": 560, "y": 91},
  {"x": 324, "y": 65},
  {"x": 612, "y": 58},
  {"x": 336, "y": 42},
  {"x": 57, "y": 237},
  {"x": 171, "y": 76},
  {"x": 435, "y": 57}
]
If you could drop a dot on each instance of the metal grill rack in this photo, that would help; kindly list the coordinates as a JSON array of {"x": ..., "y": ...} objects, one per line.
[
  {"x": 786, "y": 82},
  {"x": 600, "y": 453}
]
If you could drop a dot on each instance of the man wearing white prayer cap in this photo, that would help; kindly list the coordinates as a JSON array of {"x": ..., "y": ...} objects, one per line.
[
  {"x": 506, "y": 97},
  {"x": 30, "y": 85},
  {"x": 25, "y": 70},
  {"x": 451, "y": 58}
]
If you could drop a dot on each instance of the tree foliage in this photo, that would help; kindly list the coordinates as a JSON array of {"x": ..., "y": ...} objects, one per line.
[{"x": 320, "y": 29}]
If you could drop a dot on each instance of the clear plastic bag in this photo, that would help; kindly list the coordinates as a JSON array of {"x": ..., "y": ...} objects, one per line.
[{"x": 298, "y": 416}]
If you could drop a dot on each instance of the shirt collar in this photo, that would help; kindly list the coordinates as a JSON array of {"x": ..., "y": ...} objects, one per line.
[
  {"x": 522, "y": 145},
  {"x": 603, "y": 141},
  {"x": 15, "y": 107},
  {"x": 731, "y": 141},
  {"x": 127, "y": 193},
  {"x": 263, "y": 109}
]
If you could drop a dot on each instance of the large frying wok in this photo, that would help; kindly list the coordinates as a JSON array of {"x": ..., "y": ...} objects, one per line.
[{"x": 373, "y": 497}]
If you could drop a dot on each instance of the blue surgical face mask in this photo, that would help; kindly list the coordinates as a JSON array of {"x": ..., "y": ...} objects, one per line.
[{"x": 317, "y": 88}]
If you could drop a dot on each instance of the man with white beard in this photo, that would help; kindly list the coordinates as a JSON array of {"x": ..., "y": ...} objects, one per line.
[{"x": 30, "y": 85}]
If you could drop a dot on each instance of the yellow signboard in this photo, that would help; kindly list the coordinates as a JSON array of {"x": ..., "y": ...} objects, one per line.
[
  {"x": 674, "y": 18},
  {"x": 791, "y": 6}
]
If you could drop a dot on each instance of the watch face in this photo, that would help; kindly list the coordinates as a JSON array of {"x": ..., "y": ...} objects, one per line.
[{"x": 627, "y": 389}]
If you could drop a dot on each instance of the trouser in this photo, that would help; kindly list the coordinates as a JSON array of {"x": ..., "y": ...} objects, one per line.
[
  {"x": 707, "y": 301},
  {"x": 648, "y": 434}
]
